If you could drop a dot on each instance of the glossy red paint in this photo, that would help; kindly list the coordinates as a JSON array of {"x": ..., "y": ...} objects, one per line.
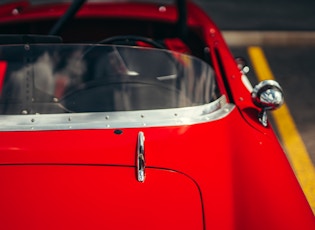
[
  {"x": 226, "y": 174},
  {"x": 91, "y": 197},
  {"x": 242, "y": 186}
]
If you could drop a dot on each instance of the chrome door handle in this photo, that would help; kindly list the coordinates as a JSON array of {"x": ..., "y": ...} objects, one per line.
[{"x": 140, "y": 158}]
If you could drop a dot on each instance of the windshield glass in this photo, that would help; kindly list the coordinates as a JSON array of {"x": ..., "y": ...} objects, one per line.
[{"x": 47, "y": 79}]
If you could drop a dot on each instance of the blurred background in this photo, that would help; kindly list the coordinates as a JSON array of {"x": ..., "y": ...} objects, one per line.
[{"x": 276, "y": 15}]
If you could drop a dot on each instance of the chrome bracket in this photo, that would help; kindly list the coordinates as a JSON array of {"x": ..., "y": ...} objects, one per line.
[{"x": 140, "y": 158}]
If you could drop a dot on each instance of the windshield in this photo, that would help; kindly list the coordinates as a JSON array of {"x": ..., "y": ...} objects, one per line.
[{"x": 47, "y": 79}]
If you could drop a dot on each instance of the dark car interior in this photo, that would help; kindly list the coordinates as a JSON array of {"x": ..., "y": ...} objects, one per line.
[{"x": 162, "y": 35}]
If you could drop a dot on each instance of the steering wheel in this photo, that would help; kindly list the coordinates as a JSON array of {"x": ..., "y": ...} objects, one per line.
[{"x": 131, "y": 40}]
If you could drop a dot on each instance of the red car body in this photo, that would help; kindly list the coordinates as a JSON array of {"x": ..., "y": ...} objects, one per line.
[{"x": 223, "y": 172}]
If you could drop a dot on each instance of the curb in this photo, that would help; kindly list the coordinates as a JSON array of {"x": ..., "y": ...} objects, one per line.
[{"x": 270, "y": 38}]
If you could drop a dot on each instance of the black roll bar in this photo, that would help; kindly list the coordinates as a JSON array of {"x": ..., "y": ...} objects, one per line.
[
  {"x": 182, "y": 28},
  {"x": 72, "y": 10}
]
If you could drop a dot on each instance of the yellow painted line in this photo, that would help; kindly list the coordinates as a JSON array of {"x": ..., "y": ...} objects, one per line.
[{"x": 291, "y": 139}]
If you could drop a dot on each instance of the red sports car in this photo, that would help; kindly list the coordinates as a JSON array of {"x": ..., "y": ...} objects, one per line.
[{"x": 135, "y": 115}]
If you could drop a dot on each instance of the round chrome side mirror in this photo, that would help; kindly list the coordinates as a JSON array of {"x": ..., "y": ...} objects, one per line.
[{"x": 268, "y": 95}]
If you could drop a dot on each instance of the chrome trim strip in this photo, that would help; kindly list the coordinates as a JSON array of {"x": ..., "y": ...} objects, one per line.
[
  {"x": 109, "y": 120},
  {"x": 140, "y": 158}
]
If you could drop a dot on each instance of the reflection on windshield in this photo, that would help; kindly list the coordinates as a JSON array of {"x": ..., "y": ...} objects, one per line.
[{"x": 98, "y": 78}]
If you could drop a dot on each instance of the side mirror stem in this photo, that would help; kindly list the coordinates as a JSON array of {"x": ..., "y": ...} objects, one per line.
[{"x": 262, "y": 117}]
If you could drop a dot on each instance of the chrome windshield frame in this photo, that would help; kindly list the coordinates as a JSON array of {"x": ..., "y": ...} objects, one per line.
[{"x": 215, "y": 110}]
